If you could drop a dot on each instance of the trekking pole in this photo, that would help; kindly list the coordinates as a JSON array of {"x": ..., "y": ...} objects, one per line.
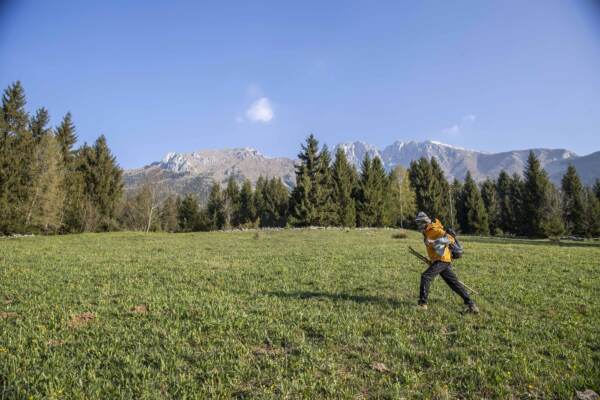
[{"x": 426, "y": 261}]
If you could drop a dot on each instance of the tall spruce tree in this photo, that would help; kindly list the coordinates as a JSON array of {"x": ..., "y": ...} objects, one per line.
[
  {"x": 521, "y": 221},
  {"x": 440, "y": 191},
  {"x": 77, "y": 202},
  {"x": 66, "y": 136},
  {"x": 188, "y": 213},
  {"x": 274, "y": 200},
  {"x": 259, "y": 198},
  {"x": 232, "y": 203},
  {"x": 431, "y": 188},
  {"x": 78, "y": 206},
  {"x": 473, "y": 217},
  {"x": 506, "y": 216},
  {"x": 39, "y": 124},
  {"x": 596, "y": 188},
  {"x": 247, "y": 211},
  {"x": 16, "y": 118},
  {"x": 344, "y": 186},
  {"x": 372, "y": 192},
  {"x": 553, "y": 224},
  {"x": 422, "y": 182},
  {"x": 454, "y": 204},
  {"x": 573, "y": 203},
  {"x": 592, "y": 213},
  {"x": 304, "y": 200},
  {"x": 535, "y": 197},
  {"x": 17, "y": 159},
  {"x": 46, "y": 202},
  {"x": 324, "y": 196},
  {"x": 168, "y": 214},
  {"x": 216, "y": 207},
  {"x": 489, "y": 196},
  {"x": 103, "y": 182}
]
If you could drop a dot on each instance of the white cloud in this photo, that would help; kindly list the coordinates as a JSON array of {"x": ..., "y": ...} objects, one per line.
[
  {"x": 457, "y": 128},
  {"x": 260, "y": 111},
  {"x": 453, "y": 130}
]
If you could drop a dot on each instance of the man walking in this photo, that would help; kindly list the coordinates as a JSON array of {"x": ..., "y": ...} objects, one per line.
[{"x": 437, "y": 243}]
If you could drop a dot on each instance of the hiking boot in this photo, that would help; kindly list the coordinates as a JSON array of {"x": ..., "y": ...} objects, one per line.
[
  {"x": 421, "y": 306},
  {"x": 472, "y": 309}
]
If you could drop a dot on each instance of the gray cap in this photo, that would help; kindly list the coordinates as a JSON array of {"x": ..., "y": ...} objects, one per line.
[{"x": 422, "y": 218}]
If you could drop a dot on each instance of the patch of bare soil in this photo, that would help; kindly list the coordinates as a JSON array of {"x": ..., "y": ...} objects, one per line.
[
  {"x": 78, "y": 321},
  {"x": 4, "y": 314},
  {"x": 55, "y": 342},
  {"x": 379, "y": 367},
  {"x": 140, "y": 309},
  {"x": 587, "y": 395}
]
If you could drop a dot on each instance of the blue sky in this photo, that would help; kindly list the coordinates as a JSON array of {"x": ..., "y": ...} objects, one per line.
[{"x": 160, "y": 76}]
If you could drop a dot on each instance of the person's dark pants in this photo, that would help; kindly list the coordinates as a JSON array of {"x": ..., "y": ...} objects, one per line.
[{"x": 445, "y": 270}]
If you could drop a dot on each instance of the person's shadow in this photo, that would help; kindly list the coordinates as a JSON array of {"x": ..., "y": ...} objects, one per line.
[{"x": 358, "y": 298}]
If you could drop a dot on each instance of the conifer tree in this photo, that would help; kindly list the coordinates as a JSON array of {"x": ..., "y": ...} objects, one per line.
[
  {"x": 79, "y": 207},
  {"x": 553, "y": 224},
  {"x": 304, "y": 201},
  {"x": 473, "y": 218},
  {"x": 592, "y": 213},
  {"x": 247, "y": 213},
  {"x": 39, "y": 124},
  {"x": 344, "y": 179},
  {"x": 16, "y": 118},
  {"x": 520, "y": 221},
  {"x": 274, "y": 203},
  {"x": 46, "y": 202},
  {"x": 440, "y": 189},
  {"x": 372, "y": 191},
  {"x": 232, "y": 203},
  {"x": 454, "y": 204},
  {"x": 573, "y": 202},
  {"x": 535, "y": 197},
  {"x": 259, "y": 198},
  {"x": 188, "y": 213},
  {"x": 17, "y": 156},
  {"x": 303, "y": 213},
  {"x": 402, "y": 206},
  {"x": 324, "y": 194},
  {"x": 506, "y": 216},
  {"x": 103, "y": 182},
  {"x": 66, "y": 136},
  {"x": 168, "y": 215},
  {"x": 77, "y": 202},
  {"x": 490, "y": 202},
  {"x": 596, "y": 188},
  {"x": 431, "y": 188},
  {"x": 421, "y": 180},
  {"x": 216, "y": 207}
]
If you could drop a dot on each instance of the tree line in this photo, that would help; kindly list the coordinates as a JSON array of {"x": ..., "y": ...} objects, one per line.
[
  {"x": 334, "y": 193},
  {"x": 49, "y": 186},
  {"x": 46, "y": 184}
]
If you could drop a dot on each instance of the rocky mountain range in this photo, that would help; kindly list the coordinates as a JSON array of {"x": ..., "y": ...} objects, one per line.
[{"x": 194, "y": 172}]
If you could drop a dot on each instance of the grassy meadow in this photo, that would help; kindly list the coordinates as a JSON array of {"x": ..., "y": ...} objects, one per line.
[{"x": 292, "y": 314}]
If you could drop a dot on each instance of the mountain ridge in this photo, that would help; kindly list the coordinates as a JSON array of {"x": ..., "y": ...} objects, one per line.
[{"x": 195, "y": 171}]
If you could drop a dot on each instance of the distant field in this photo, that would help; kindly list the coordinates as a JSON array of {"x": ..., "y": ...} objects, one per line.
[{"x": 291, "y": 314}]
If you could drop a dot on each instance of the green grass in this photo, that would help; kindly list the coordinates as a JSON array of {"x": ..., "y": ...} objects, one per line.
[{"x": 291, "y": 314}]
